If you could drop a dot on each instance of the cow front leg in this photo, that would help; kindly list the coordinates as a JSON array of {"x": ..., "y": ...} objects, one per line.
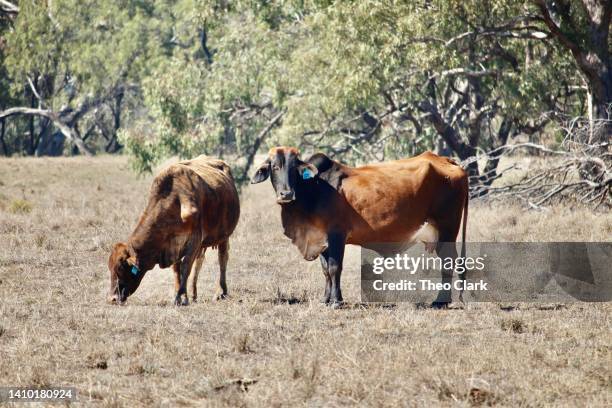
[
  {"x": 325, "y": 265},
  {"x": 335, "y": 249},
  {"x": 185, "y": 266},
  {"x": 221, "y": 289},
  {"x": 193, "y": 277}
]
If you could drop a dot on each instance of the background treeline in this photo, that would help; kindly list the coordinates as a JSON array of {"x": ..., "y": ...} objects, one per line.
[{"x": 361, "y": 80}]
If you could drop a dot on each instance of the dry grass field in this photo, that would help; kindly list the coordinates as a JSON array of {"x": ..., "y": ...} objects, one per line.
[{"x": 271, "y": 343}]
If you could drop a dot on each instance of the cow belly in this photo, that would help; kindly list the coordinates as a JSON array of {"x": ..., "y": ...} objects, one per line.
[{"x": 427, "y": 234}]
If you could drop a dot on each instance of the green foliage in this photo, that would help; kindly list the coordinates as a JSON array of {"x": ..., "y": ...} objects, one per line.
[
  {"x": 355, "y": 79},
  {"x": 84, "y": 46},
  {"x": 326, "y": 63},
  {"x": 198, "y": 107}
]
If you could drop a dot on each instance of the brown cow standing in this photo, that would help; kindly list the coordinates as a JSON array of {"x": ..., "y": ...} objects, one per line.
[
  {"x": 326, "y": 205},
  {"x": 192, "y": 205}
]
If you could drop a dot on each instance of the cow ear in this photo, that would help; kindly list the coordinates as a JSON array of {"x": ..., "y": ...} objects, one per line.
[
  {"x": 118, "y": 255},
  {"x": 120, "y": 249},
  {"x": 307, "y": 171},
  {"x": 132, "y": 266},
  {"x": 262, "y": 172}
]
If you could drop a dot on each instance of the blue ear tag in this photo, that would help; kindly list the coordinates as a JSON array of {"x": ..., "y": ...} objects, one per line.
[
  {"x": 134, "y": 270},
  {"x": 307, "y": 174}
]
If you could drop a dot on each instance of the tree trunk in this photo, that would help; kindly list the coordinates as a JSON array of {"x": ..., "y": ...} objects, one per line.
[
  {"x": 30, "y": 148},
  {"x": 46, "y": 130},
  {"x": 601, "y": 123},
  {"x": 113, "y": 145},
  {"x": 451, "y": 137},
  {"x": 252, "y": 150},
  {"x": 592, "y": 55},
  {"x": 2, "y": 132},
  {"x": 442, "y": 148},
  {"x": 490, "y": 170}
]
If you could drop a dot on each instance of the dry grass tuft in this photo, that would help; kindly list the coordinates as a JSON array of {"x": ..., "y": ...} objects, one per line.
[
  {"x": 40, "y": 240},
  {"x": 241, "y": 344},
  {"x": 97, "y": 360},
  {"x": 513, "y": 325},
  {"x": 479, "y": 397},
  {"x": 20, "y": 206},
  {"x": 271, "y": 343},
  {"x": 39, "y": 377},
  {"x": 281, "y": 298}
]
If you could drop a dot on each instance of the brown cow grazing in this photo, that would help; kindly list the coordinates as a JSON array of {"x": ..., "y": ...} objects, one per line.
[
  {"x": 192, "y": 205},
  {"x": 325, "y": 205}
]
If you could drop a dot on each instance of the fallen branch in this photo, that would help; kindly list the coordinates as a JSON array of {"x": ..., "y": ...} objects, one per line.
[{"x": 580, "y": 173}]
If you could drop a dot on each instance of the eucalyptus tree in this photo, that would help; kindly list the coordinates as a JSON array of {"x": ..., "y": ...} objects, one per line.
[
  {"x": 70, "y": 62},
  {"x": 366, "y": 80},
  {"x": 385, "y": 79},
  {"x": 583, "y": 28},
  {"x": 224, "y": 94}
]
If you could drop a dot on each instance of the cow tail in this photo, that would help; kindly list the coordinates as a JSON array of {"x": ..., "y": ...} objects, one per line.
[{"x": 465, "y": 215}]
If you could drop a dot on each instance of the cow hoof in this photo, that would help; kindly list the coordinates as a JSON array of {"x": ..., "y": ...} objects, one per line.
[
  {"x": 336, "y": 304},
  {"x": 440, "y": 305},
  {"x": 325, "y": 300},
  {"x": 219, "y": 296},
  {"x": 181, "y": 301}
]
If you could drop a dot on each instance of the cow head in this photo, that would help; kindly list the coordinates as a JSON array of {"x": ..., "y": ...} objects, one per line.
[
  {"x": 125, "y": 276},
  {"x": 285, "y": 170}
]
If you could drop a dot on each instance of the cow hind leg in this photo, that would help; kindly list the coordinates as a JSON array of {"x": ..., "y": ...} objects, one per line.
[
  {"x": 193, "y": 277},
  {"x": 325, "y": 264},
  {"x": 176, "y": 268},
  {"x": 221, "y": 284},
  {"x": 447, "y": 216},
  {"x": 336, "y": 244},
  {"x": 445, "y": 249}
]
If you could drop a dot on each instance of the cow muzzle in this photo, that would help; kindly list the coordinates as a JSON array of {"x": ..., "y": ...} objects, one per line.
[
  {"x": 117, "y": 297},
  {"x": 284, "y": 197},
  {"x": 112, "y": 299}
]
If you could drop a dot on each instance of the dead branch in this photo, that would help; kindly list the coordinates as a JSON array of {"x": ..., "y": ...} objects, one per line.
[
  {"x": 252, "y": 150},
  {"x": 8, "y": 7},
  {"x": 577, "y": 172},
  {"x": 57, "y": 121}
]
